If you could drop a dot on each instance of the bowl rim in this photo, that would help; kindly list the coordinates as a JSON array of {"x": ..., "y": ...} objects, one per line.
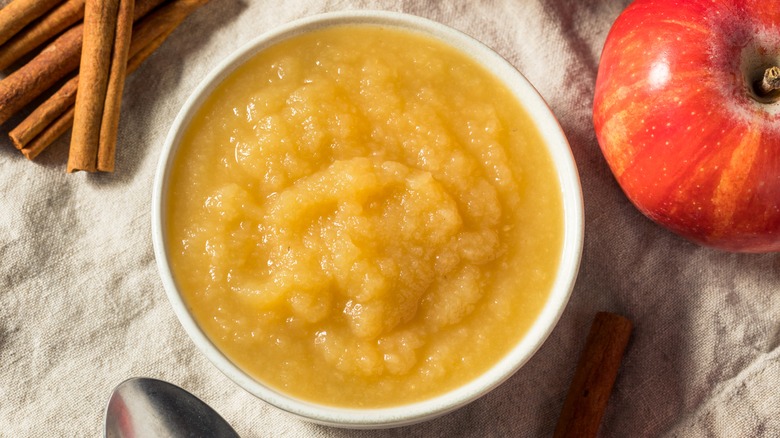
[{"x": 571, "y": 251}]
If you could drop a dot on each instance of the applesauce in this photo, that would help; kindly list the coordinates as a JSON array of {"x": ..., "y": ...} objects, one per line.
[{"x": 361, "y": 216}]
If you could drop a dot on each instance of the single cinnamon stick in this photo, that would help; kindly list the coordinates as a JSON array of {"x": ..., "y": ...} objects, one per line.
[
  {"x": 19, "y": 13},
  {"x": 96, "y": 74},
  {"x": 116, "y": 82},
  {"x": 52, "y": 132},
  {"x": 140, "y": 56},
  {"x": 43, "y": 116},
  {"x": 143, "y": 7},
  {"x": 35, "y": 132},
  {"x": 100, "y": 23},
  {"x": 60, "y": 58},
  {"x": 43, "y": 71},
  {"x": 37, "y": 33},
  {"x": 163, "y": 21},
  {"x": 595, "y": 377}
]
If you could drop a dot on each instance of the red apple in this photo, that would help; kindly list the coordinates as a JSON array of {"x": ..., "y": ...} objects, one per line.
[{"x": 689, "y": 133}]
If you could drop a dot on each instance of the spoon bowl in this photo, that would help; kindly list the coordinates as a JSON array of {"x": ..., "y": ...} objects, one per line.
[{"x": 143, "y": 407}]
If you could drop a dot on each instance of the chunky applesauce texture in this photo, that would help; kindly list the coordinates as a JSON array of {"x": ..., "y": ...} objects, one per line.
[{"x": 361, "y": 216}]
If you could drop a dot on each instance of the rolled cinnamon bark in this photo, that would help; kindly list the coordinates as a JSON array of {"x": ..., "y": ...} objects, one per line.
[
  {"x": 19, "y": 13},
  {"x": 54, "y": 63},
  {"x": 596, "y": 373},
  {"x": 138, "y": 57},
  {"x": 116, "y": 82},
  {"x": 53, "y": 131},
  {"x": 100, "y": 23},
  {"x": 37, "y": 33},
  {"x": 45, "y": 124},
  {"x": 43, "y": 116},
  {"x": 61, "y": 118},
  {"x": 43, "y": 71}
]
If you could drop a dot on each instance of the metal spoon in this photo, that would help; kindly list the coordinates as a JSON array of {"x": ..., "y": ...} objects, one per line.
[{"x": 143, "y": 407}]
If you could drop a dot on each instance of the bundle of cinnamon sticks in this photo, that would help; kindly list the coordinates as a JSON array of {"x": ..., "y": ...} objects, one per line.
[{"x": 91, "y": 45}]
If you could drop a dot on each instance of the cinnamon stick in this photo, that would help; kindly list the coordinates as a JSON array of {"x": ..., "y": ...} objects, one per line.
[
  {"x": 61, "y": 121},
  {"x": 595, "y": 377},
  {"x": 45, "y": 124},
  {"x": 116, "y": 82},
  {"x": 98, "y": 61},
  {"x": 19, "y": 13},
  {"x": 55, "y": 62},
  {"x": 140, "y": 55},
  {"x": 49, "y": 111},
  {"x": 163, "y": 21},
  {"x": 53, "y": 131},
  {"x": 50, "y": 25},
  {"x": 143, "y": 7},
  {"x": 43, "y": 71}
]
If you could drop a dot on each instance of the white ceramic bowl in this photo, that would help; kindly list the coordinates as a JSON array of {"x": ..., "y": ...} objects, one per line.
[{"x": 572, "y": 246}]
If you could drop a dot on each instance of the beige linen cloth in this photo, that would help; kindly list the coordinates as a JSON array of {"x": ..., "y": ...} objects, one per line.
[{"x": 82, "y": 307}]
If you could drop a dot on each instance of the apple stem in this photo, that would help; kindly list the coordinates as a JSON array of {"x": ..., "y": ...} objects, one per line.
[{"x": 770, "y": 83}]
